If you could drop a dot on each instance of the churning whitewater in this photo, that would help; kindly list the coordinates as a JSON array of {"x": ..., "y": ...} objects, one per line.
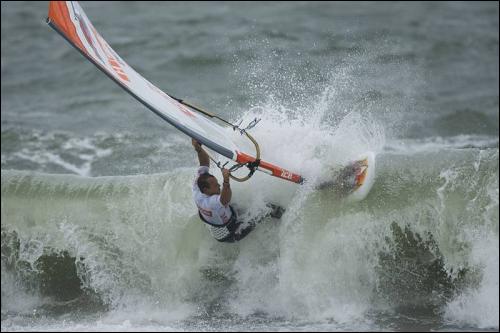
[
  {"x": 99, "y": 231},
  {"x": 423, "y": 240}
]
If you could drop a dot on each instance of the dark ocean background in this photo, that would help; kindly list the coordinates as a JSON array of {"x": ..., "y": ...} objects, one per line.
[{"x": 99, "y": 231}]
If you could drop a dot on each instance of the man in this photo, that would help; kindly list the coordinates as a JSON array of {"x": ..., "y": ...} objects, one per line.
[{"x": 213, "y": 203}]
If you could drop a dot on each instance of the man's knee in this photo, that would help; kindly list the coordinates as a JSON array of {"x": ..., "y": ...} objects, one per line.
[{"x": 242, "y": 232}]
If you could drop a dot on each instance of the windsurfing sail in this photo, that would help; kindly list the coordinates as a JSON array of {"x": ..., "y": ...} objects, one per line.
[{"x": 69, "y": 20}]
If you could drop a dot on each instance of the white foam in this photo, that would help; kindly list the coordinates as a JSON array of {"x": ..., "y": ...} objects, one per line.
[
  {"x": 434, "y": 144},
  {"x": 47, "y": 149},
  {"x": 478, "y": 306}
]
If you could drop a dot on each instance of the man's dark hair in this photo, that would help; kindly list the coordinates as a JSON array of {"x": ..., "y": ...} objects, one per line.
[{"x": 203, "y": 181}]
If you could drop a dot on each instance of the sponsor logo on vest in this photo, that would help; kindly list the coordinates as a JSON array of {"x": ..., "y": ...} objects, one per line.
[{"x": 205, "y": 212}]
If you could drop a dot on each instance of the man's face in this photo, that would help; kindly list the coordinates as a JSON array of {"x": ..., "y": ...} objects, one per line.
[{"x": 214, "y": 187}]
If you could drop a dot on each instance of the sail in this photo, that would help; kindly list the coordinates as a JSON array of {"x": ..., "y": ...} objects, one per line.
[{"x": 69, "y": 19}]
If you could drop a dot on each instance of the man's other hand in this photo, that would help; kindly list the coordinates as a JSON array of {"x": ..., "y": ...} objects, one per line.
[{"x": 196, "y": 144}]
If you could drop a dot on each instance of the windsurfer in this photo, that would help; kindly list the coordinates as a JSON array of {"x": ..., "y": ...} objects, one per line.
[{"x": 214, "y": 203}]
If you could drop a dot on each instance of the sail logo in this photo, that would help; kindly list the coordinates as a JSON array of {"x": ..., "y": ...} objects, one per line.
[
  {"x": 186, "y": 111},
  {"x": 86, "y": 32},
  {"x": 171, "y": 100},
  {"x": 112, "y": 60}
]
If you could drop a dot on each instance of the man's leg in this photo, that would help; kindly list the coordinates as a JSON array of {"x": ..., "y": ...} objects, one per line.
[
  {"x": 243, "y": 231},
  {"x": 238, "y": 231},
  {"x": 245, "y": 228}
]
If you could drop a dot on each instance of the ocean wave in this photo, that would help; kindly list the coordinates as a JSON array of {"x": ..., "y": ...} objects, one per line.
[{"x": 136, "y": 240}]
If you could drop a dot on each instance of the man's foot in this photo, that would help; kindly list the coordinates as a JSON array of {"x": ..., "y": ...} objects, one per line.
[{"x": 276, "y": 211}]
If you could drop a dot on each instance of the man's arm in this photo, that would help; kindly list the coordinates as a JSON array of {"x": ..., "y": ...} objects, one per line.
[
  {"x": 203, "y": 157},
  {"x": 225, "y": 194}
]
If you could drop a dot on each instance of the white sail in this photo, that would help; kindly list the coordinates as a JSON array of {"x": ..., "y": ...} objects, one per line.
[{"x": 69, "y": 19}]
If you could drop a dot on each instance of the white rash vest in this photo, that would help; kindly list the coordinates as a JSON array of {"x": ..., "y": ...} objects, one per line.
[{"x": 210, "y": 207}]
